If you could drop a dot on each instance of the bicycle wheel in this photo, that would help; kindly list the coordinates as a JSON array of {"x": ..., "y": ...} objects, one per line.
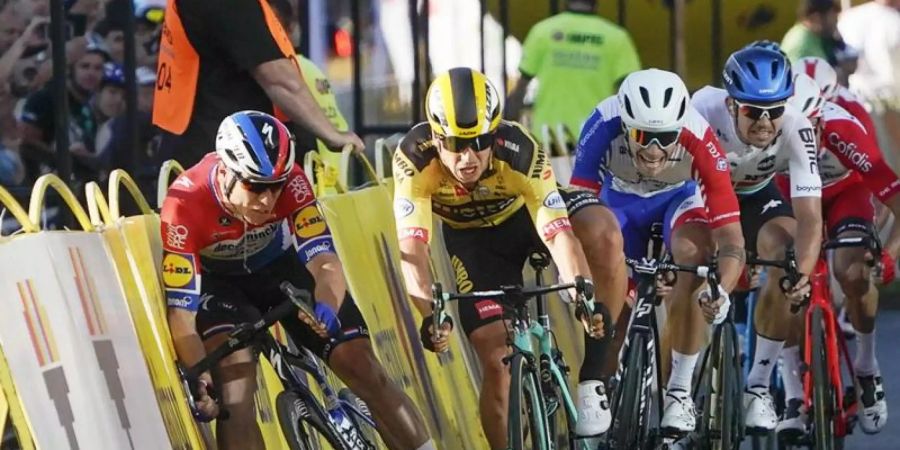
[
  {"x": 303, "y": 421},
  {"x": 823, "y": 391},
  {"x": 627, "y": 430},
  {"x": 560, "y": 421},
  {"x": 526, "y": 407},
  {"x": 368, "y": 433},
  {"x": 732, "y": 390}
]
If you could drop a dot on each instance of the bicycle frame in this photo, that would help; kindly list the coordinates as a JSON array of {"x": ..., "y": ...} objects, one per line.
[{"x": 835, "y": 348}]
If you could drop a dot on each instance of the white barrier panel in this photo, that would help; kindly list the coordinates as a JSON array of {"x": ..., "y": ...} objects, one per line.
[{"x": 63, "y": 310}]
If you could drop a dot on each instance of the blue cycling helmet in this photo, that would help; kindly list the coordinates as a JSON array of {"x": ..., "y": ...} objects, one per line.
[
  {"x": 256, "y": 147},
  {"x": 113, "y": 74},
  {"x": 767, "y": 44},
  {"x": 758, "y": 75}
]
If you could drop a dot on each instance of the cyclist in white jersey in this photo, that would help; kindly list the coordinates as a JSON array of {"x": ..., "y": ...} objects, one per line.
[{"x": 761, "y": 135}]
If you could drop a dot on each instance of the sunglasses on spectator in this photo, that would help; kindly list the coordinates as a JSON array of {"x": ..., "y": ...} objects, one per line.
[
  {"x": 646, "y": 138},
  {"x": 456, "y": 144},
  {"x": 756, "y": 112}
]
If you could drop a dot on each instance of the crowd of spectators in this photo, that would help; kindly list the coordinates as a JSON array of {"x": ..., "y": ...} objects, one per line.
[{"x": 95, "y": 83}]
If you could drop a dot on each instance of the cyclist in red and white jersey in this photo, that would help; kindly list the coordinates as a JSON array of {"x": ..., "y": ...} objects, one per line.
[
  {"x": 853, "y": 171},
  {"x": 818, "y": 69},
  {"x": 234, "y": 227},
  {"x": 761, "y": 136}
]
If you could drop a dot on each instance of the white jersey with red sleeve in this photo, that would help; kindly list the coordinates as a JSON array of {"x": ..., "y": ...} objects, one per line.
[
  {"x": 200, "y": 236},
  {"x": 854, "y": 105},
  {"x": 847, "y": 149},
  {"x": 793, "y": 150},
  {"x": 603, "y": 159}
]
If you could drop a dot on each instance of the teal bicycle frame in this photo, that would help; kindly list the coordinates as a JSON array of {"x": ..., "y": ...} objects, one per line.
[{"x": 548, "y": 370}]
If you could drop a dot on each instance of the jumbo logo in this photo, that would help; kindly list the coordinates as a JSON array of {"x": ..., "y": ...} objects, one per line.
[
  {"x": 178, "y": 270},
  {"x": 309, "y": 223},
  {"x": 463, "y": 283}
]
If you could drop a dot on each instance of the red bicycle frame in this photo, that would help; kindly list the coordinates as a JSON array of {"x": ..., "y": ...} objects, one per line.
[{"x": 835, "y": 348}]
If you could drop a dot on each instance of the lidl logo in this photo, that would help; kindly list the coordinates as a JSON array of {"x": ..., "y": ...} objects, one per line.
[
  {"x": 178, "y": 271},
  {"x": 309, "y": 223}
]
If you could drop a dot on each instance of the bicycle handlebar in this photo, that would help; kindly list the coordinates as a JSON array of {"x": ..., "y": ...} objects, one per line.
[
  {"x": 584, "y": 297},
  {"x": 298, "y": 299},
  {"x": 652, "y": 267}
]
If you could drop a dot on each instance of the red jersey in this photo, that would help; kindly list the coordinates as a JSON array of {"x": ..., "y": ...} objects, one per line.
[{"x": 200, "y": 236}]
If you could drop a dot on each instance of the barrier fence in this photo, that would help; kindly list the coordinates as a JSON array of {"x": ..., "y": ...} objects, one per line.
[{"x": 86, "y": 358}]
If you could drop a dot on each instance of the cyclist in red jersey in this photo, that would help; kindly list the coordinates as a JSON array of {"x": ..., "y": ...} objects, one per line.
[
  {"x": 234, "y": 227},
  {"x": 853, "y": 170}
]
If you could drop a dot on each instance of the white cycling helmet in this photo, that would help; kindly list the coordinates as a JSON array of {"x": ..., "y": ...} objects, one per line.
[
  {"x": 653, "y": 100},
  {"x": 819, "y": 70},
  {"x": 256, "y": 147},
  {"x": 807, "y": 96}
]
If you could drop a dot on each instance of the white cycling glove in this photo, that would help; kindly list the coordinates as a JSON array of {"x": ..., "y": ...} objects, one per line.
[{"x": 704, "y": 297}]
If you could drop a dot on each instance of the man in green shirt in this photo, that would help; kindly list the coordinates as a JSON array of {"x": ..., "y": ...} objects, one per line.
[
  {"x": 814, "y": 34},
  {"x": 579, "y": 58}
]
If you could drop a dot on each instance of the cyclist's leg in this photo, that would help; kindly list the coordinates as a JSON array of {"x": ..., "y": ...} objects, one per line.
[
  {"x": 852, "y": 214},
  {"x": 225, "y": 305},
  {"x": 597, "y": 229},
  {"x": 485, "y": 258},
  {"x": 768, "y": 225},
  {"x": 690, "y": 242},
  {"x": 353, "y": 360}
]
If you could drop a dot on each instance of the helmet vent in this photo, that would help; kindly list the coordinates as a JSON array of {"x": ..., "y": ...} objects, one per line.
[
  {"x": 807, "y": 104},
  {"x": 682, "y": 109},
  {"x": 628, "y": 107},
  {"x": 752, "y": 68},
  {"x": 645, "y": 96},
  {"x": 737, "y": 81},
  {"x": 774, "y": 68},
  {"x": 251, "y": 153},
  {"x": 667, "y": 97}
]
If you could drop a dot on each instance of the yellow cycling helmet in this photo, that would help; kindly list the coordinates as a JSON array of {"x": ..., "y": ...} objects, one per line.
[{"x": 463, "y": 104}]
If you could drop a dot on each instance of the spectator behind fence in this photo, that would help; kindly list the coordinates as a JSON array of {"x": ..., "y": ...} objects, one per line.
[
  {"x": 113, "y": 34},
  {"x": 874, "y": 29},
  {"x": 219, "y": 57},
  {"x": 815, "y": 31},
  {"x": 37, "y": 126},
  {"x": 319, "y": 87},
  {"x": 11, "y": 59},
  {"x": 116, "y": 150},
  {"x": 578, "y": 59}
]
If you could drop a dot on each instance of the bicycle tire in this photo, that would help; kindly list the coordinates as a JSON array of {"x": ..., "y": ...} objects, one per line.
[
  {"x": 732, "y": 391},
  {"x": 822, "y": 389},
  {"x": 562, "y": 415},
  {"x": 297, "y": 413},
  {"x": 626, "y": 431},
  {"x": 525, "y": 398},
  {"x": 369, "y": 434}
]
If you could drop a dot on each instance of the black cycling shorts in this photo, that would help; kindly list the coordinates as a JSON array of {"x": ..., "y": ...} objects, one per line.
[
  {"x": 234, "y": 299},
  {"x": 758, "y": 208}
]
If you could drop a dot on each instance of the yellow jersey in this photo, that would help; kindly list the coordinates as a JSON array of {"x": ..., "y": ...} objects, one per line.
[{"x": 519, "y": 175}]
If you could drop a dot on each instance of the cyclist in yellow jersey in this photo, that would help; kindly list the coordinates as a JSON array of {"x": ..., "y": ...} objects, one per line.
[{"x": 496, "y": 194}]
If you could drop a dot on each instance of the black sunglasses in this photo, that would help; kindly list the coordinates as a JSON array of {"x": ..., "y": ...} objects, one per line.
[
  {"x": 258, "y": 187},
  {"x": 457, "y": 144}
]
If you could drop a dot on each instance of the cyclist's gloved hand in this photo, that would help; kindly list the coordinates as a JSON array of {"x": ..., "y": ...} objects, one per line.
[
  {"x": 206, "y": 408},
  {"x": 887, "y": 269},
  {"x": 798, "y": 293},
  {"x": 714, "y": 311},
  {"x": 325, "y": 323},
  {"x": 440, "y": 342}
]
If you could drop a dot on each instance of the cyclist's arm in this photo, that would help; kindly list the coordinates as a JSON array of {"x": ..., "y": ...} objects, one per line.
[
  {"x": 328, "y": 273},
  {"x": 412, "y": 211},
  {"x": 548, "y": 212},
  {"x": 713, "y": 175},
  {"x": 590, "y": 154},
  {"x": 806, "y": 193}
]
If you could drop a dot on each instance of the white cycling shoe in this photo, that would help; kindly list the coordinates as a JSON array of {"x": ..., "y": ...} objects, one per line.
[
  {"x": 679, "y": 414},
  {"x": 792, "y": 425},
  {"x": 594, "y": 416},
  {"x": 759, "y": 410},
  {"x": 874, "y": 414}
]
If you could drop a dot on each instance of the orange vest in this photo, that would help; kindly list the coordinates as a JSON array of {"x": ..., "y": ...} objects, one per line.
[{"x": 178, "y": 69}]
